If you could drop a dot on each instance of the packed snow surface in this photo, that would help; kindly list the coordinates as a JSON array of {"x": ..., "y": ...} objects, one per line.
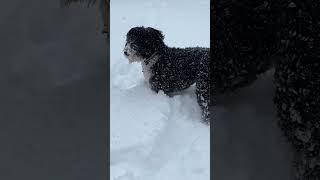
[{"x": 153, "y": 136}]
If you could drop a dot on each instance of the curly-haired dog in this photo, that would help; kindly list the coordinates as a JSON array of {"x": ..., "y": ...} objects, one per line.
[
  {"x": 170, "y": 69},
  {"x": 248, "y": 35}
]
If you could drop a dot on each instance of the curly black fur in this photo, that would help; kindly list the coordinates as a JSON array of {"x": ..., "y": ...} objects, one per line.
[
  {"x": 249, "y": 34},
  {"x": 297, "y": 80},
  {"x": 171, "y": 69},
  {"x": 245, "y": 42}
]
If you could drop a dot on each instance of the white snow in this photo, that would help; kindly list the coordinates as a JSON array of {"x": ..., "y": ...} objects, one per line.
[{"x": 154, "y": 137}]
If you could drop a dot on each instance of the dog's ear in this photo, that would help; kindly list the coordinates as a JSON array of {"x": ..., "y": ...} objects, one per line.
[{"x": 158, "y": 34}]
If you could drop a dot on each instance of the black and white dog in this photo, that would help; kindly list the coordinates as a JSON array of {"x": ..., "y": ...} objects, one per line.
[{"x": 170, "y": 69}]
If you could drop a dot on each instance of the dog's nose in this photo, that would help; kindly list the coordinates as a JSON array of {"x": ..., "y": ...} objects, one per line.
[{"x": 125, "y": 53}]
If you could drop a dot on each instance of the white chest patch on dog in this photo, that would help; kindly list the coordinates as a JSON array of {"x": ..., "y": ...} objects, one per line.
[{"x": 146, "y": 68}]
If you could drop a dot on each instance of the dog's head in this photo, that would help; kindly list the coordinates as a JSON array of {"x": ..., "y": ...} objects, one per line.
[{"x": 142, "y": 43}]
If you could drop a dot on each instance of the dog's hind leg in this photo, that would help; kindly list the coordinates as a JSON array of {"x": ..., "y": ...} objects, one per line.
[
  {"x": 297, "y": 101},
  {"x": 203, "y": 91},
  {"x": 297, "y": 82}
]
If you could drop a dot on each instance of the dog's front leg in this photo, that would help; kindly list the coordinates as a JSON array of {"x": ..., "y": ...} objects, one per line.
[
  {"x": 154, "y": 84},
  {"x": 156, "y": 87}
]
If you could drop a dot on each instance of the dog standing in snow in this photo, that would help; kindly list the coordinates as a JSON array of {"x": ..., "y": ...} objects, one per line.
[{"x": 170, "y": 69}]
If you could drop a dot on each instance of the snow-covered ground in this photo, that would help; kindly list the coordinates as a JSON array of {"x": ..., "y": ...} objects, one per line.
[{"x": 154, "y": 137}]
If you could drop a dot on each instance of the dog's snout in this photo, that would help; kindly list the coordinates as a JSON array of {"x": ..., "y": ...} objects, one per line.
[{"x": 126, "y": 53}]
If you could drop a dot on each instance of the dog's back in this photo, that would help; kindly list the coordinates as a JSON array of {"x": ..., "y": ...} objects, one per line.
[{"x": 177, "y": 68}]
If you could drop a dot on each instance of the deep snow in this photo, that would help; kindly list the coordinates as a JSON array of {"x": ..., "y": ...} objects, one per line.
[{"x": 153, "y": 136}]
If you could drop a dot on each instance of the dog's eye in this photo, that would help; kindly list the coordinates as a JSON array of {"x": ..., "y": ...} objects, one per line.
[{"x": 134, "y": 46}]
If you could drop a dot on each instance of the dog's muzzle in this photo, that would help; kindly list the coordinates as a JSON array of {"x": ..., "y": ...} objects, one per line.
[{"x": 126, "y": 50}]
